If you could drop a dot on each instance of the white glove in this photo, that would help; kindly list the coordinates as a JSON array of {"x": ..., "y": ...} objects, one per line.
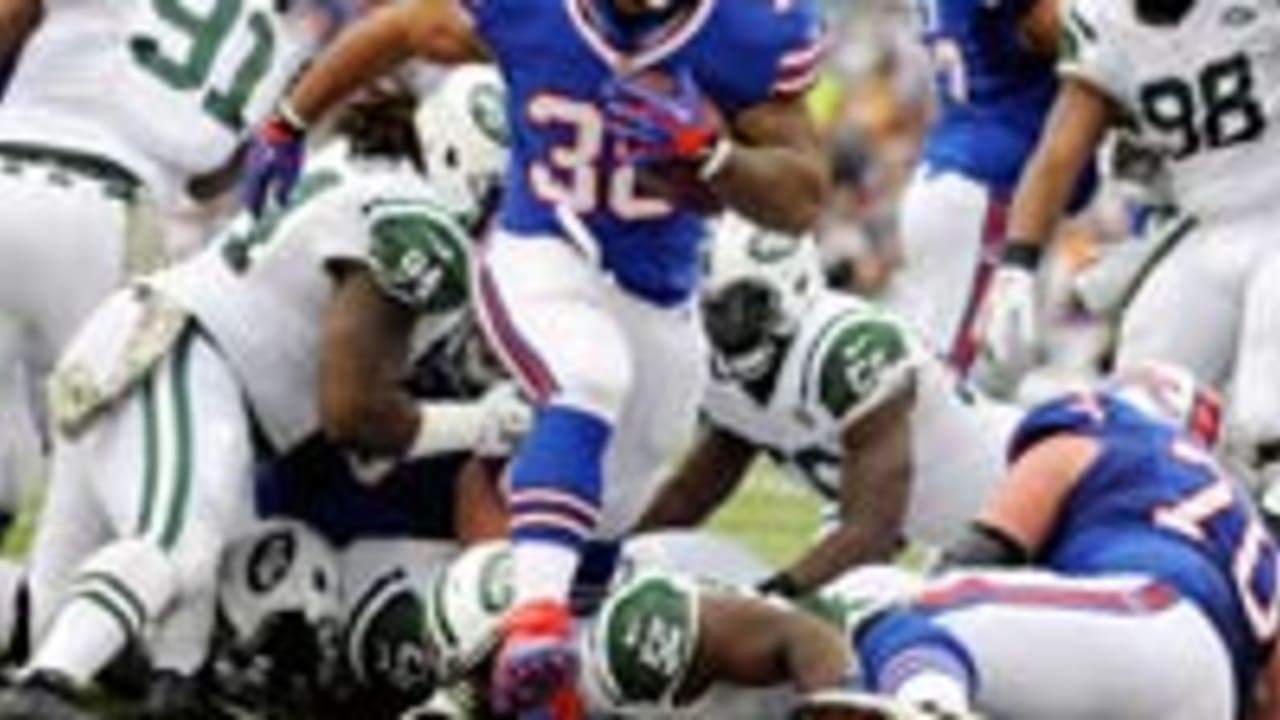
[
  {"x": 507, "y": 417},
  {"x": 1008, "y": 332}
]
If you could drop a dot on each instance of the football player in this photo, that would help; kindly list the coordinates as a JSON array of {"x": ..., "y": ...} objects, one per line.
[
  {"x": 993, "y": 65},
  {"x": 118, "y": 110},
  {"x": 1202, "y": 86},
  {"x": 658, "y": 642},
  {"x": 1121, "y": 572},
  {"x": 297, "y": 322},
  {"x": 844, "y": 397},
  {"x": 631, "y": 117}
]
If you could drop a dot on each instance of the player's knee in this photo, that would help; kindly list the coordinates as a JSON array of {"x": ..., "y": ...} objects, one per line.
[
  {"x": 133, "y": 577},
  {"x": 900, "y": 643}
]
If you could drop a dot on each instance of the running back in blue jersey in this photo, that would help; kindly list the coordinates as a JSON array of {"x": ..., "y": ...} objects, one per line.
[
  {"x": 556, "y": 56},
  {"x": 1157, "y": 502},
  {"x": 993, "y": 91}
]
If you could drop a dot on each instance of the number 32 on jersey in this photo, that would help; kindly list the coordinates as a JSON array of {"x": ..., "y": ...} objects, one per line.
[{"x": 573, "y": 173}]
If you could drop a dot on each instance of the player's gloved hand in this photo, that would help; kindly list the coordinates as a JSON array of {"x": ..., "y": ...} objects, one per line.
[
  {"x": 1008, "y": 332},
  {"x": 507, "y": 417},
  {"x": 655, "y": 127},
  {"x": 274, "y": 160}
]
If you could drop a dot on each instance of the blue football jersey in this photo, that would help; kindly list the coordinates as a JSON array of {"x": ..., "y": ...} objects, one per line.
[
  {"x": 556, "y": 56},
  {"x": 993, "y": 93},
  {"x": 1157, "y": 503}
]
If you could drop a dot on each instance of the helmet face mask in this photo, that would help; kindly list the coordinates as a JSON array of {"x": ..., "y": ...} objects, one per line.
[{"x": 758, "y": 286}]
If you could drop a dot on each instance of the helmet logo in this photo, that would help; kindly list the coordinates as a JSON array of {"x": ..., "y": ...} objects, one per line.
[
  {"x": 496, "y": 592},
  {"x": 487, "y": 107},
  {"x": 270, "y": 561}
]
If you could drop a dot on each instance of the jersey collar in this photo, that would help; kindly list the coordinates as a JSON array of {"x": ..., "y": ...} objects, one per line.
[{"x": 660, "y": 44}]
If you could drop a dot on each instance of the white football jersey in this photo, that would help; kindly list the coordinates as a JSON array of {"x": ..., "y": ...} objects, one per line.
[
  {"x": 167, "y": 88},
  {"x": 1205, "y": 92},
  {"x": 847, "y": 358},
  {"x": 260, "y": 290}
]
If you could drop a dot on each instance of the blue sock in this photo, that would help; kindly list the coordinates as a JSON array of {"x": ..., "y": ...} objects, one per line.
[{"x": 900, "y": 644}]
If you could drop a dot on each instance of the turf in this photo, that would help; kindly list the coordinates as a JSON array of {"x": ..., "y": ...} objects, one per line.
[{"x": 770, "y": 515}]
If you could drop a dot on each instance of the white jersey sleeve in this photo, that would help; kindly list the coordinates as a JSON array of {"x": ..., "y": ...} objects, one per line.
[
  {"x": 1090, "y": 49},
  {"x": 862, "y": 359}
]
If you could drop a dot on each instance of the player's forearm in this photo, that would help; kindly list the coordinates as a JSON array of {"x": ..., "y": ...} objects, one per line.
[
  {"x": 17, "y": 19},
  {"x": 843, "y": 548},
  {"x": 1042, "y": 196},
  {"x": 815, "y": 657},
  {"x": 704, "y": 480},
  {"x": 782, "y": 188},
  {"x": 364, "y": 52}
]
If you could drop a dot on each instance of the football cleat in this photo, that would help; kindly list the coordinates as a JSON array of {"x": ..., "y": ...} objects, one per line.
[
  {"x": 42, "y": 696},
  {"x": 536, "y": 659}
]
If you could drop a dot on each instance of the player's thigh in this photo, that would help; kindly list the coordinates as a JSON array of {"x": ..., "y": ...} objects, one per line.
[
  {"x": 61, "y": 252},
  {"x": 947, "y": 223},
  {"x": 543, "y": 306},
  {"x": 1056, "y": 648},
  {"x": 669, "y": 356},
  {"x": 1255, "y": 401},
  {"x": 1184, "y": 314}
]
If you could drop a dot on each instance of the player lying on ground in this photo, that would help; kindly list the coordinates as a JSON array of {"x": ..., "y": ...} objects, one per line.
[
  {"x": 844, "y": 396},
  {"x": 1118, "y": 571},
  {"x": 631, "y": 118},
  {"x": 659, "y": 640},
  {"x": 302, "y": 320}
]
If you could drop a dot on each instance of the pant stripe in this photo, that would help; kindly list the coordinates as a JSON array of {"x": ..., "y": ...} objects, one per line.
[
  {"x": 969, "y": 591},
  {"x": 519, "y": 355},
  {"x": 150, "y": 453},
  {"x": 964, "y": 344},
  {"x": 183, "y": 459}
]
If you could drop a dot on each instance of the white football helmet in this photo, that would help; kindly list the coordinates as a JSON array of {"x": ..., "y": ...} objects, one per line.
[
  {"x": 758, "y": 284},
  {"x": 465, "y": 139},
  {"x": 1171, "y": 394},
  {"x": 465, "y": 605}
]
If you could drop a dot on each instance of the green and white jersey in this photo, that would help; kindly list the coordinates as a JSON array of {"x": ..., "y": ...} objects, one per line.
[
  {"x": 848, "y": 358},
  {"x": 168, "y": 88},
  {"x": 1205, "y": 91},
  {"x": 262, "y": 287}
]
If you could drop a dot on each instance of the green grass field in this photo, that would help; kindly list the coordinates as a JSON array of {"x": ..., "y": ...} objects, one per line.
[{"x": 770, "y": 515}]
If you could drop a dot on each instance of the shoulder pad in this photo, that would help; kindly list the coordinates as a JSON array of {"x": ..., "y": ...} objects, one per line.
[
  {"x": 646, "y": 636},
  {"x": 861, "y": 360},
  {"x": 418, "y": 253}
]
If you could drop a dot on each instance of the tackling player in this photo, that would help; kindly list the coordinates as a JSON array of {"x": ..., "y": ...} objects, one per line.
[
  {"x": 993, "y": 64},
  {"x": 1203, "y": 88},
  {"x": 1131, "y": 575},
  {"x": 629, "y": 117},
  {"x": 844, "y": 397},
  {"x": 117, "y": 111},
  {"x": 298, "y": 322}
]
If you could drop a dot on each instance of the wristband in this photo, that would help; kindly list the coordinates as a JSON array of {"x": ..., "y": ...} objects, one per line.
[
  {"x": 1021, "y": 253},
  {"x": 446, "y": 427},
  {"x": 715, "y": 160},
  {"x": 782, "y": 585},
  {"x": 286, "y": 112}
]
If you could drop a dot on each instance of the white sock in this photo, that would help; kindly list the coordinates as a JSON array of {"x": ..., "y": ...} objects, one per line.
[
  {"x": 84, "y": 637},
  {"x": 181, "y": 639},
  {"x": 542, "y": 571}
]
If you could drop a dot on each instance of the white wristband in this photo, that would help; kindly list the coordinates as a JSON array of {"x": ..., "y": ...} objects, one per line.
[
  {"x": 445, "y": 427},
  {"x": 287, "y": 113},
  {"x": 716, "y": 160}
]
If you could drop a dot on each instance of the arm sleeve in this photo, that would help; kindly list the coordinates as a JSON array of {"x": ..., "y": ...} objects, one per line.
[{"x": 858, "y": 364}]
